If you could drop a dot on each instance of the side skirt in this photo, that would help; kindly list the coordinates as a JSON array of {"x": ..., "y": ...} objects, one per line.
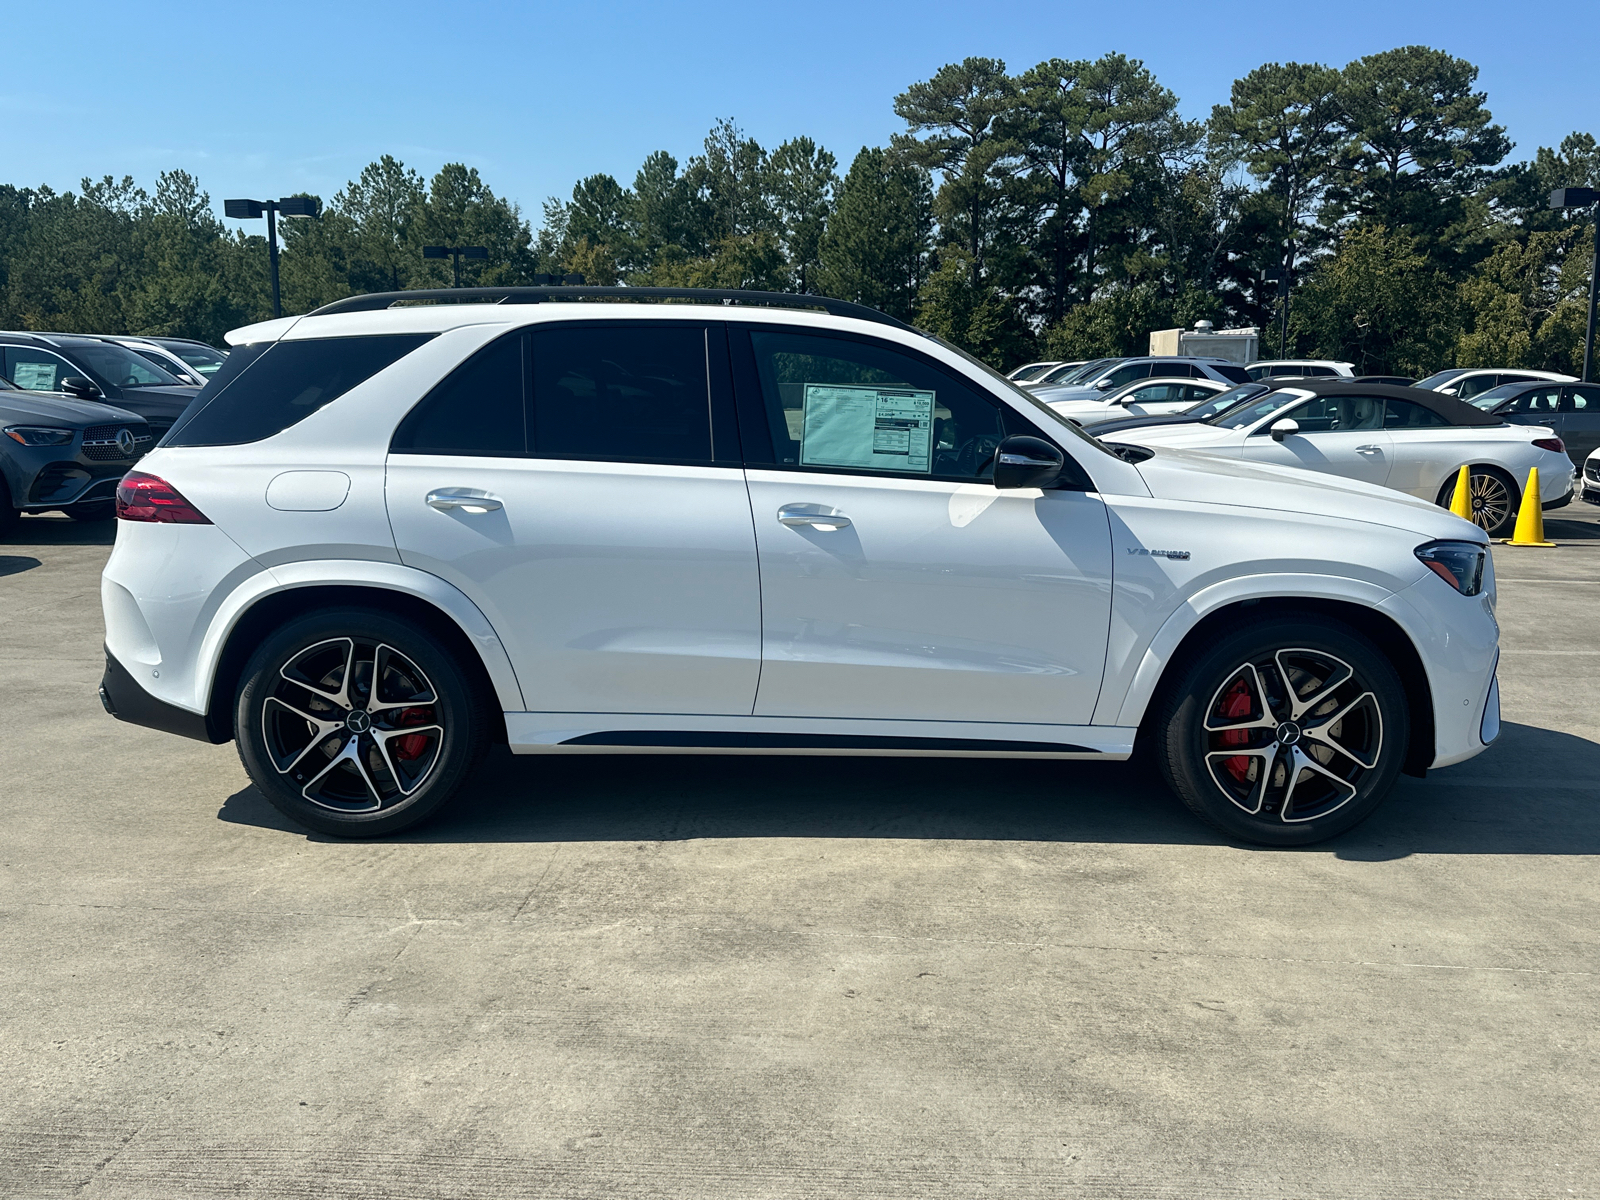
[{"x": 657, "y": 733}]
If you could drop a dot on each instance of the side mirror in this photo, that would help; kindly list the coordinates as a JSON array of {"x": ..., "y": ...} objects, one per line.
[
  {"x": 1103, "y": 384},
  {"x": 78, "y": 386},
  {"x": 1027, "y": 462},
  {"x": 1284, "y": 428}
]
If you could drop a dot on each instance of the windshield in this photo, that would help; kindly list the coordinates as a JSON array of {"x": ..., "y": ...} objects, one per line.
[
  {"x": 1023, "y": 374},
  {"x": 1251, "y": 411},
  {"x": 1223, "y": 401},
  {"x": 120, "y": 366},
  {"x": 1056, "y": 420},
  {"x": 202, "y": 358},
  {"x": 1434, "y": 380},
  {"x": 1068, "y": 373},
  {"x": 1495, "y": 396}
]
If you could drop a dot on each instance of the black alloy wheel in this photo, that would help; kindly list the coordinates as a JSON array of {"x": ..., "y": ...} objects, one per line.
[
  {"x": 1286, "y": 732},
  {"x": 358, "y": 723},
  {"x": 1493, "y": 497}
]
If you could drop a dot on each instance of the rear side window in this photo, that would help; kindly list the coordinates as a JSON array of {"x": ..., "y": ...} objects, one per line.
[
  {"x": 620, "y": 392},
  {"x": 476, "y": 410},
  {"x": 284, "y": 384},
  {"x": 613, "y": 392},
  {"x": 1232, "y": 374},
  {"x": 1407, "y": 414}
]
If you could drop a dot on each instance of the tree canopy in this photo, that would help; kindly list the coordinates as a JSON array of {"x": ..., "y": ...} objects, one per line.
[{"x": 1066, "y": 209}]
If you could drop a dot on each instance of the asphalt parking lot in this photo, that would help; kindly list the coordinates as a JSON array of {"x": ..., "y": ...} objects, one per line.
[{"x": 768, "y": 977}]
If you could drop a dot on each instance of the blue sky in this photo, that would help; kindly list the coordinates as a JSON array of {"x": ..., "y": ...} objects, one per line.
[{"x": 262, "y": 100}]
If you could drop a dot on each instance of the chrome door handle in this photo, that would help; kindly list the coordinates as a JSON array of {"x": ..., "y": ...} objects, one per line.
[
  {"x": 1369, "y": 449},
  {"x": 466, "y": 499},
  {"x": 798, "y": 517}
]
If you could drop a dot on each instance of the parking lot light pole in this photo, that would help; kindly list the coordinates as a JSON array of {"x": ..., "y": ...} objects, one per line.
[
  {"x": 1582, "y": 197},
  {"x": 289, "y": 206},
  {"x": 456, "y": 253}
]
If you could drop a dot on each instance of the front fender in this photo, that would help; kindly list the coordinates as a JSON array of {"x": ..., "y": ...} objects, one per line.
[
  {"x": 361, "y": 573},
  {"x": 1125, "y": 705}
]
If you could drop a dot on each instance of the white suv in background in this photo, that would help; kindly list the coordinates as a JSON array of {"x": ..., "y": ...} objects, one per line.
[{"x": 385, "y": 537}]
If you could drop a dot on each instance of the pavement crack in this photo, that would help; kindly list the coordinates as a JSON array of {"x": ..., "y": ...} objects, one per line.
[
  {"x": 537, "y": 884},
  {"x": 106, "y": 1161}
]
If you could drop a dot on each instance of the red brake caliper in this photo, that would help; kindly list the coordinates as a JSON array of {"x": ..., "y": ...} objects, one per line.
[
  {"x": 413, "y": 744},
  {"x": 1236, "y": 703}
]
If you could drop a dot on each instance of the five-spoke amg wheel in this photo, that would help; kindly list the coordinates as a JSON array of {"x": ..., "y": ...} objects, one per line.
[
  {"x": 1286, "y": 732},
  {"x": 357, "y": 723},
  {"x": 1492, "y": 497}
]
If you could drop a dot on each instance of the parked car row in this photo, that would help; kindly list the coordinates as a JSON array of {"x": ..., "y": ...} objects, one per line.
[{"x": 78, "y": 410}]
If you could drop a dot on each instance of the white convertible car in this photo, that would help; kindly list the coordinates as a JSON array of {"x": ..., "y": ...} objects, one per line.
[{"x": 1404, "y": 438}]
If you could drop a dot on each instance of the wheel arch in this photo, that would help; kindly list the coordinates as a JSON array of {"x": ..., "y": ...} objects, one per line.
[
  {"x": 429, "y": 602},
  {"x": 1381, "y": 628}
]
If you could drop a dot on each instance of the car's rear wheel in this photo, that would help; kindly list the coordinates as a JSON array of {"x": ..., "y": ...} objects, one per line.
[
  {"x": 358, "y": 723},
  {"x": 1493, "y": 497},
  {"x": 1284, "y": 732}
]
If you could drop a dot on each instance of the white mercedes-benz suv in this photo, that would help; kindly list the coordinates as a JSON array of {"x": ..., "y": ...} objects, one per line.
[{"x": 390, "y": 533}]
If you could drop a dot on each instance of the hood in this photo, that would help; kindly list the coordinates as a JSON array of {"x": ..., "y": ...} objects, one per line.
[
  {"x": 161, "y": 406},
  {"x": 1120, "y": 424},
  {"x": 1054, "y": 394},
  {"x": 1074, "y": 408},
  {"x": 1189, "y": 435},
  {"x": 20, "y": 407},
  {"x": 1183, "y": 475}
]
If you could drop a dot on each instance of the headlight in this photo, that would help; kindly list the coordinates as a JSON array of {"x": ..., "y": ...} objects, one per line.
[
  {"x": 39, "y": 435},
  {"x": 1460, "y": 564}
]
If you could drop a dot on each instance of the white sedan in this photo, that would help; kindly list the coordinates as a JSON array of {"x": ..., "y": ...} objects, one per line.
[
  {"x": 1142, "y": 398},
  {"x": 1413, "y": 441},
  {"x": 1591, "y": 478}
]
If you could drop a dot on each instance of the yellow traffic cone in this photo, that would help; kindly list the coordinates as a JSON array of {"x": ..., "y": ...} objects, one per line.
[
  {"x": 1530, "y": 517},
  {"x": 1461, "y": 500}
]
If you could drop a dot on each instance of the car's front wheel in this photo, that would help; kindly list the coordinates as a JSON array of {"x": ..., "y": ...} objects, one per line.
[
  {"x": 358, "y": 723},
  {"x": 1285, "y": 732}
]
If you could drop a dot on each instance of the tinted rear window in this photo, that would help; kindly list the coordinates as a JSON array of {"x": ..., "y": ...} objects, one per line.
[
  {"x": 254, "y": 397},
  {"x": 1232, "y": 374}
]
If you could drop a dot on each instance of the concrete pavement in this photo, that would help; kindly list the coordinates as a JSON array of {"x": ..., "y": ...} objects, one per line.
[{"x": 766, "y": 977}]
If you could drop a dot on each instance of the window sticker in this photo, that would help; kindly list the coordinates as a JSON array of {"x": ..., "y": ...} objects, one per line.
[
  {"x": 35, "y": 376},
  {"x": 870, "y": 428}
]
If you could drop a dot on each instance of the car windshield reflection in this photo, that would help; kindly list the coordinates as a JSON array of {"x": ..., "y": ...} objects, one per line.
[{"x": 1252, "y": 411}]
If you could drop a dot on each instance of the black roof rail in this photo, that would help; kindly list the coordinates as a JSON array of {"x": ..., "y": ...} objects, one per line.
[{"x": 538, "y": 295}]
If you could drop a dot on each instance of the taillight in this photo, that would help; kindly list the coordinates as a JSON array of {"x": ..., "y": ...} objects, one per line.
[
  {"x": 142, "y": 497},
  {"x": 1555, "y": 444}
]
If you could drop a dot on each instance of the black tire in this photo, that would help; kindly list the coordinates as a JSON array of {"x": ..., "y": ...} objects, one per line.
[
  {"x": 1239, "y": 760},
  {"x": 341, "y": 760},
  {"x": 1495, "y": 498},
  {"x": 9, "y": 516},
  {"x": 99, "y": 510}
]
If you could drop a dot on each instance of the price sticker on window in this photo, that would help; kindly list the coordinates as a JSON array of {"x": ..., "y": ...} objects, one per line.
[{"x": 869, "y": 428}]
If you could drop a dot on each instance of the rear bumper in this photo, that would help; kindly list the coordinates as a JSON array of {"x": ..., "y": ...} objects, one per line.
[{"x": 125, "y": 700}]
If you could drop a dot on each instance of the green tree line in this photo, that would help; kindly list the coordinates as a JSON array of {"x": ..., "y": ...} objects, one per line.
[{"x": 1063, "y": 211}]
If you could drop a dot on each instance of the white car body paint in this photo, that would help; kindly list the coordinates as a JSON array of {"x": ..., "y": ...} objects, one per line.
[
  {"x": 1108, "y": 581},
  {"x": 1118, "y": 404},
  {"x": 1417, "y": 462}
]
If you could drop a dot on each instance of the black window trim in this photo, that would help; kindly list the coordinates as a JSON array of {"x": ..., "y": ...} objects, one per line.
[{"x": 753, "y": 421}]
